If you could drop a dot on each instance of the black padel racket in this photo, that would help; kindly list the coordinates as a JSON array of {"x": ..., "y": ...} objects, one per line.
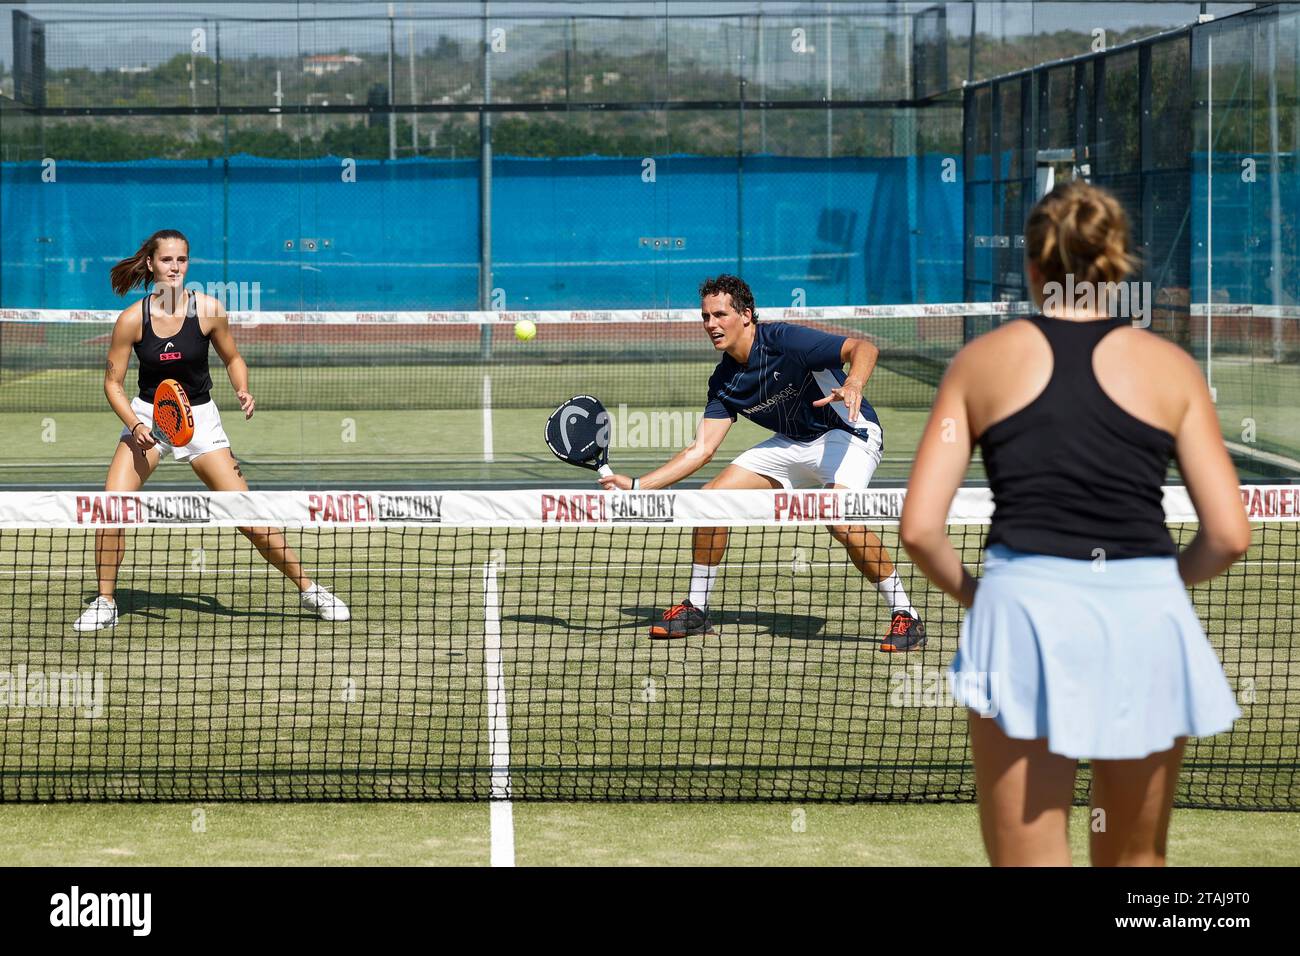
[{"x": 578, "y": 433}]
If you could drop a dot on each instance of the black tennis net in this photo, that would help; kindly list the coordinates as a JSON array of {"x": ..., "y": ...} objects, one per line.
[{"x": 498, "y": 645}]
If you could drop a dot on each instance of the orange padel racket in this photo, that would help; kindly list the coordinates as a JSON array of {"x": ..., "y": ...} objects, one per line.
[{"x": 173, "y": 420}]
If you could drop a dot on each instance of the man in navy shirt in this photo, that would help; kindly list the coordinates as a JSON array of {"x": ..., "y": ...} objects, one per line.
[{"x": 789, "y": 379}]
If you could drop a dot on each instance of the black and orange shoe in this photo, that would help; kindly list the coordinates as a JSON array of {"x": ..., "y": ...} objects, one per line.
[
  {"x": 682, "y": 620},
  {"x": 906, "y": 633}
]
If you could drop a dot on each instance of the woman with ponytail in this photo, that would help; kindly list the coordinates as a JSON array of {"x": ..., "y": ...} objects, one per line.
[
  {"x": 169, "y": 330},
  {"x": 1080, "y": 633}
]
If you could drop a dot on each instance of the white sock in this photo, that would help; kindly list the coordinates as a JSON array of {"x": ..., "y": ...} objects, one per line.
[
  {"x": 702, "y": 578},
  {"x": 892, "y": 590}
]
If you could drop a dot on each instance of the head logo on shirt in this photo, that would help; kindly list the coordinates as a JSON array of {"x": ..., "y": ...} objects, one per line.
[{"x": 169, "y": 355}]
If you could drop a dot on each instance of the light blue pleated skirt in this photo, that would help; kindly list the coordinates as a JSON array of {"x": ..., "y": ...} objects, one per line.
[{"x": 1106, "y": 661}]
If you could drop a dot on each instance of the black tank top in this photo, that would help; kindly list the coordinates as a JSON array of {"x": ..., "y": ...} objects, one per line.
[
  {"x": 1072, "y": 471},
  {"x": 183, "y": 356}
]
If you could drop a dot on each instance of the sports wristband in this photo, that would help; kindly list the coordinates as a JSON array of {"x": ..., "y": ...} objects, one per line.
[{"x": 636, "y": 483}]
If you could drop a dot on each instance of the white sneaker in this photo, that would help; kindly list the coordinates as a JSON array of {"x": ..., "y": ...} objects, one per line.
[
  {"x": 326, "y": 606},
  {"x": 101, "y": 613}
]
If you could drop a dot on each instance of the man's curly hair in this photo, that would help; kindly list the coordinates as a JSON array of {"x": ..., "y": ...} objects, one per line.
[{"x": 734, "y": 286}]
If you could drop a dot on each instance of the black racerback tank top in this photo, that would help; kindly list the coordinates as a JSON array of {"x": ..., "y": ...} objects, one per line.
[
  {"x": 1072, "y": 472},
  {"x": 183, "y": 356}
]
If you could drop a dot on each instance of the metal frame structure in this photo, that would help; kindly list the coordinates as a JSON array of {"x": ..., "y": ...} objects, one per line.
[
  {"x": 1013, "y": 168},
  {"x": 31, "y": 72}
]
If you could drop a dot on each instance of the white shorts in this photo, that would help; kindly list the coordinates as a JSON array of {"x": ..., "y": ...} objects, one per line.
[
  {"x": 208, "y": 433},
  {"x": 835, "y": 458}
]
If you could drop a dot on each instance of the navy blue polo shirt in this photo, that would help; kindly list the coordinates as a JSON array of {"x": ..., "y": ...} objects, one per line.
[{"x": 789, "y": 368}]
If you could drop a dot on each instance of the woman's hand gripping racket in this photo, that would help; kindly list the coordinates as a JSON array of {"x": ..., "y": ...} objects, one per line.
[
  {"x": 578, "y": 433},
  {"x": 173, "y": 419}
]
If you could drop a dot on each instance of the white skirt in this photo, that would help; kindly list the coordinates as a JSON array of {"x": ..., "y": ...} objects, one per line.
[
  {"x": 209, "y": 435},
  {"x": 1105, "y": 661}
]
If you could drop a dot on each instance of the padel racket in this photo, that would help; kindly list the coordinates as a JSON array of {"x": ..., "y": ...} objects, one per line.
[
  {"x": 578, "y": 433},
  {"x": 173, "y": 419}
]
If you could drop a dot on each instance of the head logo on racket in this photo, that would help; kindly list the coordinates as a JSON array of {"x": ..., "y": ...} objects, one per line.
[
  {"x": 173, "y": 419},
  {"x": 570, "y": 416}
]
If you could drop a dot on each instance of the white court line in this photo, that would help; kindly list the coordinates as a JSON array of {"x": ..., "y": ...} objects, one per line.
[
  {"x": 522, "y": 566},
  {"x": 502, "y": 813},
  {"x": 1265, "y": 456},
  {"x": 487, "y": 418},
  {"x": 247, "y": 571}
]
